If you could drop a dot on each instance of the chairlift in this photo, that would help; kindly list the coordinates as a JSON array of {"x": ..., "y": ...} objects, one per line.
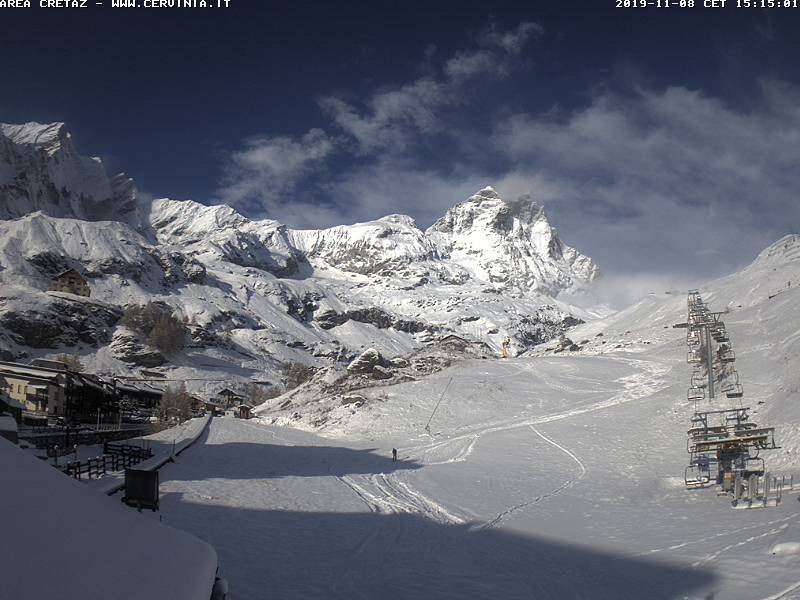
[
  {"x": 698, "y": 473},
  {"x": 736, "y": 391},
  {"x": 749, "y": 465},
  {"x": 694, "y": 394},
  {"x": 694, "y": 477}
]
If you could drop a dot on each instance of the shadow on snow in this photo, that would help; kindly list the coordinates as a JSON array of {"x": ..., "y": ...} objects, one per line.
[{"x": 309, "y": 555}]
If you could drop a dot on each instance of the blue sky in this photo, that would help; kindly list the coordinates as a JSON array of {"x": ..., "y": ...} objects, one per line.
[{"x": 664, "y": 142}]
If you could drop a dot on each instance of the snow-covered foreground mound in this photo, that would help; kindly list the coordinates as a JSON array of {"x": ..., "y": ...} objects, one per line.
[
  {"x": 550, "y": 476},
  {"x": 64, "y": 540}
]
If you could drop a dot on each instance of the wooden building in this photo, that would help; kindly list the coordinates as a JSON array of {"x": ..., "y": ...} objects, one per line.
[
  {"x": 230, "y": 398},
  {"x": 244, "y": 411},
  {"x": 70, "y": 282}
]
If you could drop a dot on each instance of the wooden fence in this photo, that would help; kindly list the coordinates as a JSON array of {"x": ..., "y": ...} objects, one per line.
[{"x": 116, "y": 458}]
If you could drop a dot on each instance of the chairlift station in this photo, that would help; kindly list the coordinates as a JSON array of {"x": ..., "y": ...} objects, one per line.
[{"x": 724, "y": 443}]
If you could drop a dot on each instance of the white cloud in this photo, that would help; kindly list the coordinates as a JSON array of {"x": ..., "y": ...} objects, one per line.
[
  {"x": 391, "y": 117},
  {"x": 652, "y": 181},
  {"x": 673, "y": 176},
  {"x": 268, "y": 167}
]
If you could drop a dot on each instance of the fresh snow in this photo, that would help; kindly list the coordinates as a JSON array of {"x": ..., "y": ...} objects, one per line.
[
  {"x": 255, "y": 293},
  {"x": 64, "y": 540},
  {"x": 554, "y": 475}
]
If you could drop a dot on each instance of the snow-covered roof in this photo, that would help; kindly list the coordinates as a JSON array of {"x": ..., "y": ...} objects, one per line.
[
  {"x": 7, "y": 423},
  {"x": 29, "y": 370},
  {"x": 122, "y": 554},
  {"x": 68, "y": 272}
]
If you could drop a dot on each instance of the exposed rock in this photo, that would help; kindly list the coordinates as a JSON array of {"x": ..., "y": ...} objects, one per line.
[
  {"x": 303, "y": 308},
  {"x": 374, "y": 316},
  {"x": 330, "y": 319},
  {"x": 366, "y": 362},
  {"x": 57, "y": 321},
  {"x": 379, "y": 372},
  {"x": 353, "y": 400},
  {"x": 127, "y": 347}
]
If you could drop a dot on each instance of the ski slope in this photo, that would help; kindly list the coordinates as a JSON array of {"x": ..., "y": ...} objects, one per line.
[{"x": 546, "y": 476}]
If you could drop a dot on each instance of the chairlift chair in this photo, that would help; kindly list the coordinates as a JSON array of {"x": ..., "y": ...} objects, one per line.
[
  {"x": 694, "y": 394},
  {"x": 736, "y": 391},
  {"x": 696, "y": 475}
]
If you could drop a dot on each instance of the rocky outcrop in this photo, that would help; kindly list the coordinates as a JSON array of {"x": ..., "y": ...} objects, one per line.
[
  {"x": 128, "y": 347},
  {"x": 53, "y": 321},
  {"x": 374, "y": 316},
  {"x": 366, "y": 362}
]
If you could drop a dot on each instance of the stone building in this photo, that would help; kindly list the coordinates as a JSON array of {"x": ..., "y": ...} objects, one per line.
[{"x": 70, "y": 282}]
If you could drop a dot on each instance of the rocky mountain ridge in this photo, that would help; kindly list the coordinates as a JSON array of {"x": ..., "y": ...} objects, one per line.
[{"x": 255, "y": 294}]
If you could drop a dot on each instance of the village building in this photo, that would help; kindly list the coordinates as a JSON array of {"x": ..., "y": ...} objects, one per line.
[
  {"x": 138, "y": 401},
  {"x": 46, "y": 392},
  {"x": 229, "y": 398},
  {"x": 244, "y": 411},
  {"x": 214, "y": 408},
  {"x": 70, "y": 282},
  {"x": 40, "y": 390}
]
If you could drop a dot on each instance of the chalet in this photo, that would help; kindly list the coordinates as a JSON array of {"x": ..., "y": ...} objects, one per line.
[
  {"x": 70, "y": 282},
  {"x": 229, "y": 398},
  {"x": 214, "y": 408},
  {"x": 198, "y": 408},
  {"x": 244, "y": 411}
]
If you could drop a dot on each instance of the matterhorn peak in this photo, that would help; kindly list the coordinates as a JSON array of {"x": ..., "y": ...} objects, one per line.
[
  {"x": 510, "y": 243},
  {"x": 487, "y": 192}
]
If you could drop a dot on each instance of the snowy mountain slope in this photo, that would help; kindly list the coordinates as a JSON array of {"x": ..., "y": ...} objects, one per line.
[
  {"x": 255, "y": 294},
  {"x": 584, "y": 449},
  {"x": 40, "y": 170}
]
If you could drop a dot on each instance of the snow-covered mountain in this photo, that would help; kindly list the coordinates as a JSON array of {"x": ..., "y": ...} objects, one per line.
[
  {"x": 40, "y": 170},
  {"x": 255, "y": 294}
]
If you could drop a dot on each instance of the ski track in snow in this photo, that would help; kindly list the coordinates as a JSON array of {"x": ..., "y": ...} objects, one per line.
[
  {"x": 388, "y": 493},
  {"x": 636, "y": 386},
  {"x": 709, "y": 538},
  {"x": 501, "y": 516},
  {"x": 714, "y": 555}
]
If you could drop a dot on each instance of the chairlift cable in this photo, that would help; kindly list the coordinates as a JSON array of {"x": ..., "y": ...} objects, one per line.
[{"x": 441, "y": 397}]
